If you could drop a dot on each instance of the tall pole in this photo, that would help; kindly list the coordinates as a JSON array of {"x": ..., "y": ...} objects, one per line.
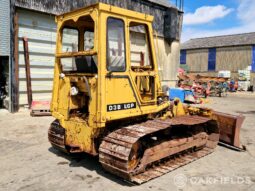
[{"x": 28, "y": 73}]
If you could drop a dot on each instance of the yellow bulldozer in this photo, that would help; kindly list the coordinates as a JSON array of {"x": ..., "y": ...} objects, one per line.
[{"x": 109, "y": 105}]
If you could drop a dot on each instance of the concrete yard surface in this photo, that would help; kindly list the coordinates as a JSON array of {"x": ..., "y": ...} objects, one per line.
[{"x": 28, "y": 162}]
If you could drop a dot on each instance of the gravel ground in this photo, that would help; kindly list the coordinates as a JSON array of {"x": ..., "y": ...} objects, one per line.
[{"x": 27, "y": 161}]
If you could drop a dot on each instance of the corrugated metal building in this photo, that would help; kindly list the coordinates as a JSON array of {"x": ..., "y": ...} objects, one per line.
[
  {"x": 35, "y": 19},
  {"x": 208, "y": 56}
]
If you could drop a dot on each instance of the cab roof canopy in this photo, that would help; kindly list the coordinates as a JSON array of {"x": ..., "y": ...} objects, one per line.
[{"x": 107, "y": 8}]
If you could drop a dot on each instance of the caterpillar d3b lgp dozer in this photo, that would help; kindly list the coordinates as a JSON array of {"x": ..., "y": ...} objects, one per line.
[{"x": 108, "y": 102}]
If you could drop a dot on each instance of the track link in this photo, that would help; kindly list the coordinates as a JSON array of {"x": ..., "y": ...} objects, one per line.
[
  {"x": 116, "y": 148},
  {"x": 56, "y": 136}
]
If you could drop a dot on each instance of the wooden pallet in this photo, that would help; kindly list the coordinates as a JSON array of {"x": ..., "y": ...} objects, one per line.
[{"x": 40, "y": 108}]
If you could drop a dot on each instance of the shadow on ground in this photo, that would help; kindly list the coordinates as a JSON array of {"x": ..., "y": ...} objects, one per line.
[
  {"x": 246, "y": 112},
  {"x": 89, "y": 162}
]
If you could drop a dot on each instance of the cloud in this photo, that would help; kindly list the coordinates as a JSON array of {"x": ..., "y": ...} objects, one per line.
[
  {"x": 206, "y": 14},
  {"x": 245, "y": 15},
  {"x": 246, "y": 10}
]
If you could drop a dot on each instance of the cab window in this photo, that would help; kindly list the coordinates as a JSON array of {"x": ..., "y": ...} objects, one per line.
[
  {"x": 70, "y": 40},
  {"x": 78, "y": 36},
  {"x": 140, "y": 51},
  {"x": 116, "y": 53}
]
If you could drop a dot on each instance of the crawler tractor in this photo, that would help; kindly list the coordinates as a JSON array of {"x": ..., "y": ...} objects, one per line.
[{"x": 109, "y": 104}]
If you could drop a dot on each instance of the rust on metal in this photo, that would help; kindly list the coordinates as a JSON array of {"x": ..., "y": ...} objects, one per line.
[
  {"x": 200, "y": 78},
  {"x": 229, "y": 126},
  {"x": 28, "y": 73},
  {"x": 142, "y": 58},
  {"x": 16, "y": 64},
  {"x": 56, "y": 135},
  {"x": 147, "y": 150}
]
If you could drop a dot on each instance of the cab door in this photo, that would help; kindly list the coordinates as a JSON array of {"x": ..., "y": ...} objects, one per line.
[
  {"x": 120, "y": 97},
  {"x": 142, "y": 66}
]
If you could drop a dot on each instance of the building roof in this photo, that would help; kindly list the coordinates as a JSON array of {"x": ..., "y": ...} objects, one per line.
[
  {"x": 164, "y": 3},
  {"x": 220, "y": 41}
]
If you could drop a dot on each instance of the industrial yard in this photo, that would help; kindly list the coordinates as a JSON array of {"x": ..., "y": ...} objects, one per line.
[
  {"x": 127, "y": 95},
  {"x": 28, "y": 162}
]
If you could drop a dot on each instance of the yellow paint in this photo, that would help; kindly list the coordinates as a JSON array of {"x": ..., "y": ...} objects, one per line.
[
  {"x": 105, "y": 87},
  {"x": 205, "y": 112},
  {"x": 178, "y": 109}
]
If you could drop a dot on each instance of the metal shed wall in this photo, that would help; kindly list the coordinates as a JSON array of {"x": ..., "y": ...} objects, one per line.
[
  {"x": 168, "y": 59},
  {"x": 197, "y": 60},
  {"x": 5, "y": 28},
  {"x": 41, "y": 32},
  {"x": 227, "y": 58},
  {"x": 233, "y": 58}
]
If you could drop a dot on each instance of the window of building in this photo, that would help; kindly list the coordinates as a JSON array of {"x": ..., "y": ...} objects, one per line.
[
  {"x": 211, "y": 59},
  {"x": 116, "y": 53},
  {"x": 183, "y": 57}
]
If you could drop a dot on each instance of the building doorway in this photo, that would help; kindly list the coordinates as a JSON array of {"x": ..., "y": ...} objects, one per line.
[{"x": 4, "y": 82}]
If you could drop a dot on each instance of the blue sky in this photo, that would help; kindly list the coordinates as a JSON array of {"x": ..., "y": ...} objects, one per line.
[{"x": 204, "y": 18}]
